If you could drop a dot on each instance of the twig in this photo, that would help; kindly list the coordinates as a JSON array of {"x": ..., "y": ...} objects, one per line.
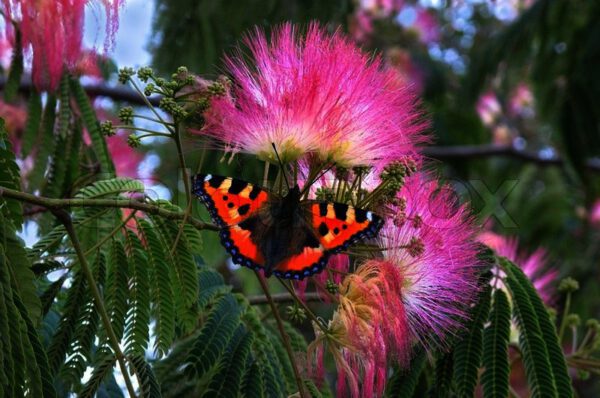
[
  {"x": 283, "y": 298},
  {"x": 65, "y": 218},
  {"x": 284, "y": 335},
  {"x": 134, "y": 204}
]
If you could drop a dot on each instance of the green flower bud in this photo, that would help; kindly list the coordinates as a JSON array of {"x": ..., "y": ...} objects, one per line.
[
  {"x": 145, "y": 73},
  {"x": 573, "y": 320},
  {"x": 216, "y": 89},
  {"x": 133, "y": 141},
  {"x": 331, "y": 286},
  {"x": 568, "y": 285},
  {"x": 107, "y": 129},
  {"x": 593, "y": 324},
  {"x": 295, "y": 313},
  {"x": 125, "y": 74},
  {"x": 416, "y": 247},
  {"x": 126, "y": 115},
  {"x": 583, "y": 374},
  {"x": 325, "y": 194},
  {"x": 149, "y": 89}
]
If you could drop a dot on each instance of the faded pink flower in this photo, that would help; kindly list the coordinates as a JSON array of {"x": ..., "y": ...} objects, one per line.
[
  {"x": 521, "y": 101},
  {"x": 426, "y": 25},
  {"x": 314, "y": 94},
  {"x": 431, "y": 243},
  {"x": 488, "y": 108},
  {"x": 368, "y": 330},
  {"x": 534, "y": 265},
  {"x": 52, "y": 32},
  {"x": 594, "y": 216}
]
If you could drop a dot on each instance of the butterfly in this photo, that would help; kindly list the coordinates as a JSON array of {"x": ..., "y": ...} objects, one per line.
[{"x": 282, "y": 235}]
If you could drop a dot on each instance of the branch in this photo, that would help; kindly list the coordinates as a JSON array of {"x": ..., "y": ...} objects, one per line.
[
  {"x": 56, "y": 204},
  {"x": 490, "y": 150},
  {"x": 283, "y": 298},
  {"x": 117, "y": 93}
]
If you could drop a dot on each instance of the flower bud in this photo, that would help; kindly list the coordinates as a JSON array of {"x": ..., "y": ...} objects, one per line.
[
  {"x": 126, "y": 115},
  {"x": 125, "y": 74},
  {"x": 568, "y": 285}
]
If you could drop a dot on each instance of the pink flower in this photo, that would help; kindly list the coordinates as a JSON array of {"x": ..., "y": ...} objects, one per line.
[
  {"x": 426, "y": 25},
  {"x": 337, "y": 266},
  {"x": 488, "y": 108},
  {"x": 594, "y": 216},
  {"x": 431, "y": 242},
  {"x": 521, "y": 101},
  {"x": 368, "y": 330},
  {"x": 534, "y": 265},
  {"x": 52, "y": 32},
  {"x": 317, "y": 94}
]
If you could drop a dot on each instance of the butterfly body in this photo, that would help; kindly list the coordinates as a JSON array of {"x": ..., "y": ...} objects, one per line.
[{"x": 285, "y": 236}]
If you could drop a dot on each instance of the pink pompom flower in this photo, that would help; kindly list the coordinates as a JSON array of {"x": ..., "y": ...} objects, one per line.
[
  {"x": 52, "y": 32},
  {"x": 315, "y": 94}
]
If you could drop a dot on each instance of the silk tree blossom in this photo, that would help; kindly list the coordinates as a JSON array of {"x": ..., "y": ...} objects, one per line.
[
  {"x": 52, "y": 32},
  {"x": 431, "y": 242},
  {"x": 368, "y": 330},
  {"x": 314, "y": 94},
  {"x": 534, "y": 265}
]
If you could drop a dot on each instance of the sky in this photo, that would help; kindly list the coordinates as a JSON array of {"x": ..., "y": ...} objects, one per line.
[{"x": 133, "y": 36}]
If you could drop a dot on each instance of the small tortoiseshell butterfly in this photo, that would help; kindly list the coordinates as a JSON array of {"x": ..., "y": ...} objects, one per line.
[{"x": 284, "y": 236}]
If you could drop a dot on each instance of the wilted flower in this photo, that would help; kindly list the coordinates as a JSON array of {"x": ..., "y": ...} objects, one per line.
[
  {"x": 52, "y": 32},
  {"x": 316, "y": 93},
  {"x": 534, "y": 265}
]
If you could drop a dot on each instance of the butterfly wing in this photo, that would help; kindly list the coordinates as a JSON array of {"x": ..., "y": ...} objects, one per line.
[
  {"x": 338, "y": 225},
  {"x": 228, "y": 200},
  {"x": 233, "y": 205}
]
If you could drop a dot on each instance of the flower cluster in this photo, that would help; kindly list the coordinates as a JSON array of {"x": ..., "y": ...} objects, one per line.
[
  {"x": 315, "y": 94},
  {"x": 52, "y": 31}
]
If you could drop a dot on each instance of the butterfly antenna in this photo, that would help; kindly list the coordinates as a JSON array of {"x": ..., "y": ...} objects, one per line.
[{"x": 287, "y": 184}]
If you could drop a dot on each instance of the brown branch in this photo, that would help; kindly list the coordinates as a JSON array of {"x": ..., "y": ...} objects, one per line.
[
  {"x": 283, "y": 298},
  {"x": 491, "y": 150},
  {"x": 56, "y": 204},
  {"x": 117, "y": 93}
]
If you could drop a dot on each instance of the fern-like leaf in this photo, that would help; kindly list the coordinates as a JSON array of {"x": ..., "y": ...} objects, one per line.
[
  {"x": 110, "y": 188},
  {"x": 467, "y": 353},
  {"x": 214, "y": 337},
  {"x": 161, "y": 287},
  {"x": 149, "y": 387},
  {"x": 549, "y": 335},
  {"x": 442, "y": 385},
  {"x": 46, "y": 145},
  {"x": 138, "y": 315},
  {"x": 105, "y": 363},
  {"x": 404, "y": 381},
  {"x": 535, "y": 353},
  {"x": 495, "y": 349},
  {"x": 117, "y": 288},
  {"x": 93, "y": 127},
  {"x": 9, "y": 178},
  {"x": 11, "y": 88},
  {"x": 227, "y": 382},
  {"x": 32, "y": 125}
]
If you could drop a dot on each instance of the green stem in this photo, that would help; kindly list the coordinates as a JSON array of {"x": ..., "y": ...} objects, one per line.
[
  {"x": 310, "y": 314},
  {"x": 186, "y": 184},
  {"x": 285, "y": 337},
  {"x": 65, "y": 218},
  {"x": 135, "y": 128},
  {"x": 54, "y": 204},
  {"x": 149, "y": 105},
  {"x": 563, "y": 322},
  {"x": 110, "y": 234}
]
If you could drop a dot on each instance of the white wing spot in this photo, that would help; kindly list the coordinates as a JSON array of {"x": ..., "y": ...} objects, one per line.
[
  {"x": 369, "y": 216},
  {"x": 208, "y": 177}
]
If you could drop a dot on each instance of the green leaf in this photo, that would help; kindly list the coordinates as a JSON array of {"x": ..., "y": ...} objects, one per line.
[
  {"x": 149, "y": 387},
  {"x": 535, "y": 353},
  {"x": 161, "y": 287},
  {"x": 105, "y": 363},
  {"x": 10, "y": 177},
  {"x": 468, "y": 351},
  {"x": 404, "y": 381},
  {"x": 138, "y": 315},
  {"x": 32, "y": 125},
  {"x": 214, "y": 337},
  {"x": 23, "y": 279},
  {"x": 442, "y": 386},
  {"x": 548, "y": 331},
  {"x": 111, "y": 188},
  {"x": 91, "y": 123},
  {"x": 117, "y": 288},
  {"x": 227, "y": 382},
  {"x": 252, "y": 384},
  {"x": 496, "y": 336},
  {"x": 211, "y": 285},
  {"x": 11, "y": 88},
  {"x": 45, "y": 147}
]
